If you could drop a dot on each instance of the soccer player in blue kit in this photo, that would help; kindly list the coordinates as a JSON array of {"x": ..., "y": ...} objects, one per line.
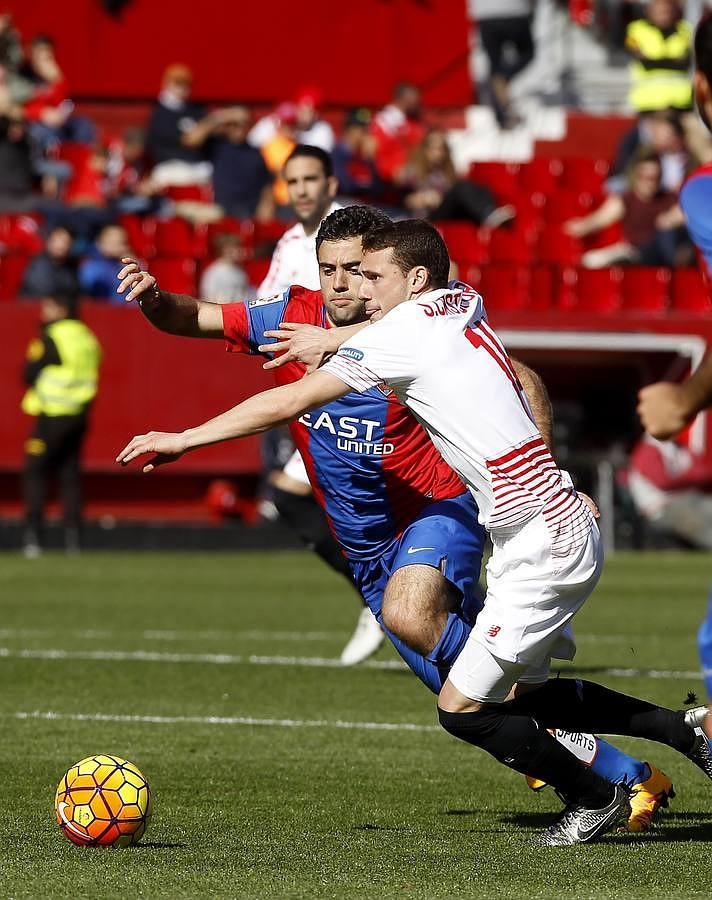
[
  {"x": 666, "y": 408},
  {"x": 399, "y": 512}
]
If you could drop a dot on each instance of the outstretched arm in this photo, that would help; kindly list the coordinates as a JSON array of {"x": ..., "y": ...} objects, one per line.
[
  {"x": 173, "y": 313},
  {"x": 666, "y": 408},
  {"x": 275, "y": 407}
]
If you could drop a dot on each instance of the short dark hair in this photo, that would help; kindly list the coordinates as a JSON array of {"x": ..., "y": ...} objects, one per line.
[
  {"x": 703, "y": 46},
  {"x": 350, "y": 222},
  {"x": 68, "y": 300},
  {"x": 310, "y": 152},
  {"x": 415, "y": 243}
]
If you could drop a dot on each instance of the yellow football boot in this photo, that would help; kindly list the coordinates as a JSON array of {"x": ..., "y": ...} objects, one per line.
[{"x": 647, "y": 798}]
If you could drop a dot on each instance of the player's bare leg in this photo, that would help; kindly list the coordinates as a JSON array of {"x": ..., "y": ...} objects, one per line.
[{"x": 416, "y": 605}]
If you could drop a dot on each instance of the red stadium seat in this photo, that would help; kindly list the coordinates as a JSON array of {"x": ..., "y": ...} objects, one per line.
[
  {"x": 256, "y": 270},
  {"x": 198, "y": 193},
  {"x": 465, "y": 242},
  {"x": 646, "y": 289},
  {"x": 689, "y": 293},
  {"x": 141, "y": 233},
  {"x": 471, "y": 275},
  {"x": 516, "y": 288},
  {"x": 21, "y": 234},
  {"x": 266, "y": 231},
  {"x": 554, "y": 246},
  {"x": 12, "y": 268},
  {"x": 567, "y": 204},
  {"x": 592, "y": 290},
  {"x": 501, "y": 178},
  {"x": 175, "y": 275},
  {"x": 175, "y": 237},
  {"x": 262, "y": 237},
  {"x": 512, "y": 246},
  {"x": 584, "y": 175},
  {"x": 531, "y": 211},
  {"x": 540, "y": 175}
]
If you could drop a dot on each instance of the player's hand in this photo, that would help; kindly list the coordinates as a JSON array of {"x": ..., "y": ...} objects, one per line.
[
  {"x": 140, "y": 285},
  {"x": 168, "y": 447},
  {"x": 296, "y": 342},
  {"x": 663, "y": 409},
  {"x": 591, "y": 504}
]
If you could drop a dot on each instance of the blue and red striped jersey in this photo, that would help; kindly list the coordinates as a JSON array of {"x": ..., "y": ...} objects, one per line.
[{"x": 371, "y": 464}]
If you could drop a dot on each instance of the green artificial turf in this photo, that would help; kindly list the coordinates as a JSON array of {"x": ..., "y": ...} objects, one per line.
[{"x": 207, "y": 671}]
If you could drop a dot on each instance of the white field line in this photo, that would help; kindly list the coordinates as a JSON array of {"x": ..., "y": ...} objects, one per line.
[
  {"x": 50, "y": 716},
  {"x": 246, "y": 635},
  {"x": 312, "y": 662},
  {"x": 219, "y": 659},
  {"x": 166, "y": 635}
]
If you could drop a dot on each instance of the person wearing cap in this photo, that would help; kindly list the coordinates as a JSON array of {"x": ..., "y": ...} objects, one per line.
[{"x": 171, "y": 142}]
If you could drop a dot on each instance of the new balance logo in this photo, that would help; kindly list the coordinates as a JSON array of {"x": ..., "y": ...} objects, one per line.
[{"x": 494, "y": 631}]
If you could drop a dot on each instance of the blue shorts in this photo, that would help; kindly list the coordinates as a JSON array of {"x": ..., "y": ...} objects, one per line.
[
  {"x": 447, "y": 536},
  {"x": 704, "y": 642}
]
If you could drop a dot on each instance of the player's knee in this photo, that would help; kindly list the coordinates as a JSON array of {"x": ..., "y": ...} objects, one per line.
[
  {"x": 474, "y": 727},
  {"x": 415, "y": 606}
]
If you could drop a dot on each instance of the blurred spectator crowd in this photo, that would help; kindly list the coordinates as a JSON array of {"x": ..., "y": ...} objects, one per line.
[{"x": 198, "y": 192}]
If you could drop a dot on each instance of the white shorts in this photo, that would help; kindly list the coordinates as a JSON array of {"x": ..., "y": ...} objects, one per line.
[
  {"x": 526, "y": 620},
  {"x": 296, "y": 469}
]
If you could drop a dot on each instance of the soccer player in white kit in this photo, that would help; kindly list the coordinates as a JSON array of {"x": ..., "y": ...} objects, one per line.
[{"x": 441, "y": 358}]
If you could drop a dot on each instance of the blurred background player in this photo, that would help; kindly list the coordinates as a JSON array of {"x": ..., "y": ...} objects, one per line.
[
  {"x": 61, "y": 372},
  {"x": 312, "y": 188},
  {"x": 665, "y": 408}
]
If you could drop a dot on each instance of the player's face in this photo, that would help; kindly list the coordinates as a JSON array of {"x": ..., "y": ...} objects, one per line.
[
  {"x": 340, "y": 277},
  {"x": 310, "y": 191},
  {"x": 384, "y": 285}
]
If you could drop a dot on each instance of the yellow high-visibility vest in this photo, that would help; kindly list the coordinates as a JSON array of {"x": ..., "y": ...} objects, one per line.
[
  {"x": 66, "y": 389},
  {"x": 659, "y": 88}
]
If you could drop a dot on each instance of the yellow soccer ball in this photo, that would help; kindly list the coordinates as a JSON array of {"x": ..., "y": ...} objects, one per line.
[{"x": 103, "y": 801}]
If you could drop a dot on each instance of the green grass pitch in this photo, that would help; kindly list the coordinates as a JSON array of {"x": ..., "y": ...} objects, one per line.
[{"x": 276, "y": 774}]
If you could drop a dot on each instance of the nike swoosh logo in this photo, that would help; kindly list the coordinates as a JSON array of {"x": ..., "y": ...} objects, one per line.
[
  {"x": 61, "y": 806},
  {"x": 419, "y": 549},
  {"x": 585, "y": 833}
]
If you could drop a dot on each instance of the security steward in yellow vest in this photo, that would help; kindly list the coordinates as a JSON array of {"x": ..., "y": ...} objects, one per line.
[
  {"x": 61, "y": 371},
  {"x": 661, "y": 45}
]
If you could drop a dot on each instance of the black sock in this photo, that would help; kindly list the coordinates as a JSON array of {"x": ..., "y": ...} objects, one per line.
[
  {"x": 584, "y": 706},
  {"x": 519, "y": 743}
]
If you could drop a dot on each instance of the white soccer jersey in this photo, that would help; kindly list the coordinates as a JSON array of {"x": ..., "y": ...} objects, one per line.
[
  {"x": 294, "y": 261},
  {"x": 444, "y": 362}
]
